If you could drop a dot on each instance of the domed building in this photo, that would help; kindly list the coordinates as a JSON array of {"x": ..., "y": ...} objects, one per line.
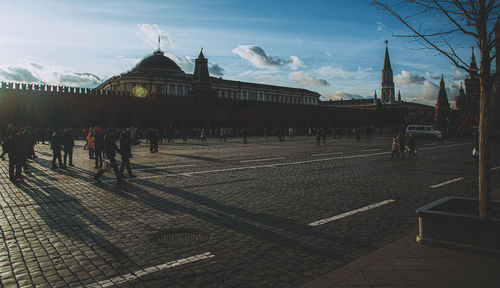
[{"x": 156, "y": 76}]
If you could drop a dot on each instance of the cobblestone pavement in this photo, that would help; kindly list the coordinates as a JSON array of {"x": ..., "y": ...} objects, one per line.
[{"x": 221, "y": 214}]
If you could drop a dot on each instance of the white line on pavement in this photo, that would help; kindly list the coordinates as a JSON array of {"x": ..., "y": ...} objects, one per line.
[
  {"x": 165, "y": 167},
  {"x": 495, "y": 168},
  {"x": 261, "y": 160},
  {"x": 447, "y": 182},
  {"x": 326, "y": 154},
  {"x": 149, "y": 270},
  {"x": 350, "y": 213},
  {"x": 370, "y": 150}
]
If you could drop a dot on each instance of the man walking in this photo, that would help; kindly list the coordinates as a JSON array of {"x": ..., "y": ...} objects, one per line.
[
  {"x": 15, "y": 148},
  {"x": 110, "y": 149},
  {"x": 68, "y": 143},
  {"x": 126, "y": 153},
  {"x": 56, "y": 146},
  {"x": 98, "y": 147}
]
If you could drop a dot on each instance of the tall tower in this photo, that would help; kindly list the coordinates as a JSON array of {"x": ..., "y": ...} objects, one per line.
[
  {"x": 442, "y": 105},
  {"x": 472, "y": 88},
  {"x": 387, "y": 93},
  {"x": 201, "y": 69}
]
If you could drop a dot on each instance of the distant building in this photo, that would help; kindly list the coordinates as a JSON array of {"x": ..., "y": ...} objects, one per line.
[
  {"x": 157, "y": 76},
  {"x": 414, "y": 112}
]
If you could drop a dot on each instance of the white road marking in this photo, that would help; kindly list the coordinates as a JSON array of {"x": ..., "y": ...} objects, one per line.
[
  {"x": 326, "y": 154},
  {"x": 430, "y": 144},
  {"x": 350, "y": 213},
  {"x": 495, "y": 168},
  {"x": 370, "y": 150},
  {"x": 447, "y": 182},
  {"x": 262, "y": 160},
  {"x": 224, "y": 169},
  {"x": 149, "y": 270},
  {"x": 165, "y": 167},
  {"x": 447, "y": 146}
]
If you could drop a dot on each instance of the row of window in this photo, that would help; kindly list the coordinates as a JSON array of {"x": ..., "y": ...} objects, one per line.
[
  {"x": 173, "y": 89},
  {"x": 261, "y": 96},
  {"x": 169, "y": 89}
]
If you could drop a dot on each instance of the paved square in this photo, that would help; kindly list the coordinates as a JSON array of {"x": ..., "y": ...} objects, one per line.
[{"x": 221, "y": 214}]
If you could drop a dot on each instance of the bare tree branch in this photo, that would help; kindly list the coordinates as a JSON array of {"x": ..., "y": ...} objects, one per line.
[
  {"x": 445, "y": 12},
  {"x": 458, "y": 62}
]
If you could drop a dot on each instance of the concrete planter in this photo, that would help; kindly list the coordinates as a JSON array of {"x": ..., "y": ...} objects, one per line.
[{"x": 455, "y": 221}]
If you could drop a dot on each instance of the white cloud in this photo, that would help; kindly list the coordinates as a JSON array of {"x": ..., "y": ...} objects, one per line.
[
  {"x": 458, "y": 75},
  {"x": 425, "y": 93},
  {"x": 433, "y": 76},
  {"x": 150, "y": 34},
  {"x": 343, "y": 95},
  {"x": 216, "y": 70},
  {"x": 300, "y": 77},
  {"x": 296, "y": 63},
  {"x": 47, "y": 75},
  {"x": 259, "y": 58},
  {"x": 380, "y": 26},
  {"x": 407, "y": 78},
  {"x": 339, "y": 73}
]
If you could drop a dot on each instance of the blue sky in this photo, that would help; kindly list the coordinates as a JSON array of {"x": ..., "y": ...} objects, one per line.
[{"x": 335, "y": 48}]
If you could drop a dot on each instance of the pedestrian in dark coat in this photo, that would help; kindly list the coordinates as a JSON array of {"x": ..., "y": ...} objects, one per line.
[
  {"x": 126, "y": 152},
  {"x": 110, "y": 149},
  {"x": 98, "y": 147},
  {"x": 16, "y": 150},
  {"x": 56, "y": 146},
  {"x": 68, "y": 143},
  {"x": 412, "y": 145}
]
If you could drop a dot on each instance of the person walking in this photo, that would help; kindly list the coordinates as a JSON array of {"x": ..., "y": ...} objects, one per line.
[
  {"x": 110, "y": 149},
  {"x": 402, "y": 142},
  {"x": 56, "y": 146},
  {"x": 203, "y": 135},
  {"x": 98, "y": 147},
  {"x": 412, "y": 145},
  {"x": 126, "y": 153},
  {"x": 395, "y": 148},
  {"x": 16, "y": 151},
  {"x": 68, "y": 143},
  {"x": 91, "y": 144}
]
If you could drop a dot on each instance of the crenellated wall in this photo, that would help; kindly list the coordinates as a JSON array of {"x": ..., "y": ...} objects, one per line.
[{"x": 46, "y": 105}]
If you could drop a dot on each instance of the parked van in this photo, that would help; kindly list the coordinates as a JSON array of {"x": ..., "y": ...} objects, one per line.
[{"x": 424, "y": 131}]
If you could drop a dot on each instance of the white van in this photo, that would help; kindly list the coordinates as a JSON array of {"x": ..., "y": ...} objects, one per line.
[{"x": 424, "y": 131}]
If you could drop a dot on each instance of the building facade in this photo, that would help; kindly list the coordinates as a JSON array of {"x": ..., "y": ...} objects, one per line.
[{"x": 157, "y": 76}]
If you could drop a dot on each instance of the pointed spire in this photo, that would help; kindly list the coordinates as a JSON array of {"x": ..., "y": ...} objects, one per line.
[
  {"x": 441, "y": 83},
  {"x": 473, "y": 65},
  {"x": 387, "y": 61},
  {"x": 399, "y": 95},
  {"x": 159, "y": 42},
  {"x": 201, "y": 56}
]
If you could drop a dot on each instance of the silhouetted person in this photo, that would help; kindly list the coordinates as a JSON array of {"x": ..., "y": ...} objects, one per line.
[
  {"x": 110, "y": 149},
  {"x": 126, "y": 152},
  {"x": 98, "y": 147},
  {"x": 56, "y": 146},
  {"x": 16, "y": 151},
  {"x": 68, "y": 143}
]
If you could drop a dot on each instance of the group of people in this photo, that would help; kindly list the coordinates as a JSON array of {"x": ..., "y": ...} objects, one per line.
[
  {"x": 399, "y": 145},
  {"x": 19, "y": 144}
]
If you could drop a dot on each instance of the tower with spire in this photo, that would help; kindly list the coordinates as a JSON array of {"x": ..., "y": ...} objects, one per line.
[
  {"x": 442, "y": 106},
  {"x": 201, "y": 74},
  {"x": 472, "y": 88},
  {"x": 387, "y": 86}
]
